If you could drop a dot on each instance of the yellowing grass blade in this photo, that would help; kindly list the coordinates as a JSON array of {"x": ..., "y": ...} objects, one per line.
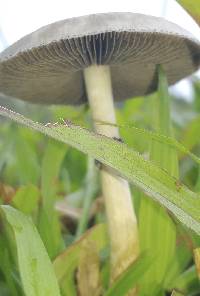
[
  {"x": 197, "y": 260},
  {"x": 66, "y": 262}
]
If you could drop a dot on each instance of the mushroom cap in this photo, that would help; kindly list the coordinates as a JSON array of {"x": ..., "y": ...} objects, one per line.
[{"x": 47, "y": 65}]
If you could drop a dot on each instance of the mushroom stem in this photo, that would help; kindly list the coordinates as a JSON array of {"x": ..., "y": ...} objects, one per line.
[{"x": 117, "y": 196}]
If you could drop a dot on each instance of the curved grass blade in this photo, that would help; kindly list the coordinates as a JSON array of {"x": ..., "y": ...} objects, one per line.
[
  {"x": 36, "y": 271},
  {"x": 156, "y": 182}
]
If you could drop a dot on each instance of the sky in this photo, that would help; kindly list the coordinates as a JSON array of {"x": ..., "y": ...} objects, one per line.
[
  {"x": 20, "y": 17},
  {"x": 28, "y": 15}
]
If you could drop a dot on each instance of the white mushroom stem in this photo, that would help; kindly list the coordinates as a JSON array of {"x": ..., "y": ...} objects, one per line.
[{"x": 119, "y": 207}]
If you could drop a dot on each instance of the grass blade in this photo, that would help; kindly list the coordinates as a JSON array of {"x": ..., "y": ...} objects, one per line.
[
  {"x": 90, "y": 189},
  {"x": 68, "y": 260},
  {"x": 130, "y": 277},
  {"x": 88, "y": 274},
  {"x": 36, "y": 270},
  {"x": 26, "y": 199},
  {"x": 156, "y": 182},
  {"x": 27, "y": 160},
  {"x": 66, "y": 263},
  {"x": 157, "y": 230},
  {"x": 197, "y": 260},
  {"x": 49, "y": 226}
]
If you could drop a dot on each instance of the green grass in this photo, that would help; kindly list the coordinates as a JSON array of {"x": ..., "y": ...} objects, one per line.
[{"x": 44, "y": 251}]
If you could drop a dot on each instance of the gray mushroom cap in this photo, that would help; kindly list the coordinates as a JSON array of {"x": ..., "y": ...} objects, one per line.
[{"x": 47, "y": 65}]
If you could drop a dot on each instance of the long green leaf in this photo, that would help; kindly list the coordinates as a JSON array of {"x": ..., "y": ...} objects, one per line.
[
  {"x": 27, "y": 160},
  {"x": 157, "y": 230},
  {"x": 155, "y": 181},
  {"x": 36, "y": 270},
  {"x": 6, "y": 266},
  {"x": 49, "y": 226},
  {"x": 51, "y": 164}
]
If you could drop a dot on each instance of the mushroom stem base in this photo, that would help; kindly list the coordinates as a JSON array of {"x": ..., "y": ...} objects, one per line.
[{"x": 118, "y": 202}]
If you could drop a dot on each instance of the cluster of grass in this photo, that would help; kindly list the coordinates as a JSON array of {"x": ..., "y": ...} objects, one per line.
[{"x": 64, "y": 248}]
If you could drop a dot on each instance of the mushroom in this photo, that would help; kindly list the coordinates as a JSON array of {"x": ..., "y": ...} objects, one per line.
[{"x": 98, "y": 57}]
